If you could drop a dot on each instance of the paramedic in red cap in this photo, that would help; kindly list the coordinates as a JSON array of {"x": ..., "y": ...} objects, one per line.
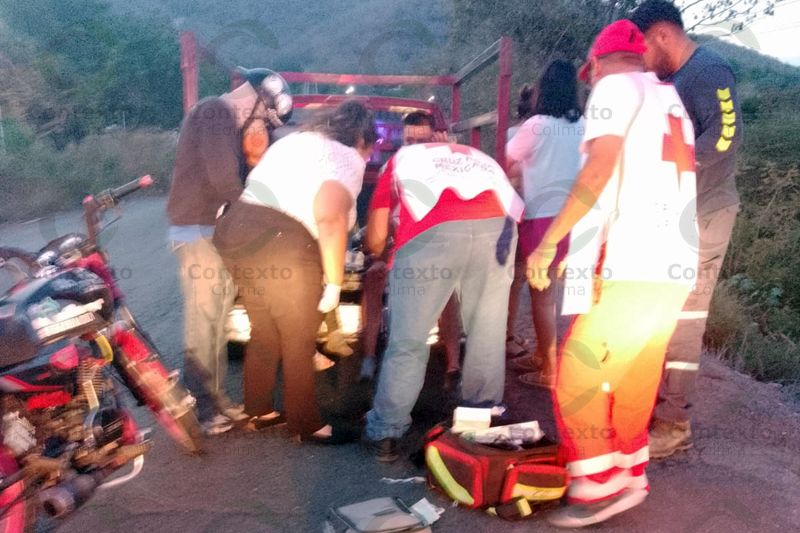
[
  {"x": 636, "y": 195},
  {"x": 455, "y": 234}
]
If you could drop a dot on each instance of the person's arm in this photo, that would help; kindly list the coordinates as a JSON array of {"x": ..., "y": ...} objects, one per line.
[
  {"x": 712, "y": 103},
  {"x": 514, "y": 174},
  {"x": 332, "y": 206},
  {"x": 380, "y": 207},
  {"x": 604, "y": 138},
  {"x": 603, "y": 154},
  {"x": 219, "y": 148},
  {"x": 520, "y": 149},
  {"x": 377, "y": 230}
]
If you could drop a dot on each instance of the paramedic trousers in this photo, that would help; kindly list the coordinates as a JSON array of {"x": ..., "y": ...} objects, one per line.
[
  {"x": 208, "y": 295},
  {"x": 608, "y": 374},
  {"x": 677, "y": 390},
  {"x": 474, "y": 258},
  {"x": 276, "y": 265}
]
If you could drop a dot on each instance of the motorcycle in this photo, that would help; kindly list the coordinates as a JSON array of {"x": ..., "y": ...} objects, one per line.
[{"x": 69, "y": 349}]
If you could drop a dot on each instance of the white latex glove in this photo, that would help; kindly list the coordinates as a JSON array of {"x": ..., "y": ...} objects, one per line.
[{"x": 330, "y": 298}]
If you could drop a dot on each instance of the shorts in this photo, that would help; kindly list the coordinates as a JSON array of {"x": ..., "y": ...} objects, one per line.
[{"x": 531, "y": 233}]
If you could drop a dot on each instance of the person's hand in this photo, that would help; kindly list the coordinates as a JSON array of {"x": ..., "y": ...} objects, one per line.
[
  {"x": 440, "y": 137},
  {"x": 538, "y": 264},
  {"x": 330, "y": 298}
]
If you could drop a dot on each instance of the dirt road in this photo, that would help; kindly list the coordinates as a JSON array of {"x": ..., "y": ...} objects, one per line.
[{"x": 742, "y": 475}]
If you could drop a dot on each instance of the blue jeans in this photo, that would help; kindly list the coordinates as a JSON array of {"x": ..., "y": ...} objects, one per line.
[{"x": 475, "y": 258}]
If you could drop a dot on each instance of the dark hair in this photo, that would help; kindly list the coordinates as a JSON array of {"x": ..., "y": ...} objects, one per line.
[
  {"x": 525, "y": 104},
  {"x": 654, "y": 11},
  {"x": 418, "y": 118},
  {"x": 347, "y": 123},
  {"x": 558, "y": 92}
]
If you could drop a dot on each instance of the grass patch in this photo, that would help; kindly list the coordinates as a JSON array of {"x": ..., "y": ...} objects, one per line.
[{"x": 36, "y": 179}]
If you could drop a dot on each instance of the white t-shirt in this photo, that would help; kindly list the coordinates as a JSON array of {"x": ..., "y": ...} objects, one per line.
[
  {"x": 425, "y": 171},
  {"x": 547, "y": 149},
  {"x": 647, "y": 212},
  {"x": 292, "y": 171}
]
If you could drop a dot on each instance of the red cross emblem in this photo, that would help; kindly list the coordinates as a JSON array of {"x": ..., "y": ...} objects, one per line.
[{"x": 676, "y": 149}]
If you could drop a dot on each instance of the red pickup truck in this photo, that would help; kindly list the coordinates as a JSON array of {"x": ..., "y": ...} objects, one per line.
[{"x": 389, "y": 113}]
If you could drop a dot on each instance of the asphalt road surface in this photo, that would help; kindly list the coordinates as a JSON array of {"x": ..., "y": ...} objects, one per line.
[{"x": 742, "y": 475}]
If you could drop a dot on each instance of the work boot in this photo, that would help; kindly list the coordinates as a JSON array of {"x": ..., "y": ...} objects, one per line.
[
  {"x": 667, "y": 438},
  {"x": 384, "y": 450}
]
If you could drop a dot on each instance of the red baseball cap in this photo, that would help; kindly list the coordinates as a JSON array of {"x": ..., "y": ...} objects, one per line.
[{"x": 620, "y": 36}]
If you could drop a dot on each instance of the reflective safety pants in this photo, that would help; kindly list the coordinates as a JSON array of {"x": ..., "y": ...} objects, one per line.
[
  {"x": 608, "y": 375},
  {"x": 677, "y": 390}
]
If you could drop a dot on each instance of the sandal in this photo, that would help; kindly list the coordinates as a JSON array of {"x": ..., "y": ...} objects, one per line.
[
  {"x": 516, "y": 346},
  {"x": 339, "y": 435},
  {"x": 525, "y": 363},
  {"x": 257, "y": 423},
  {"x": 534, "y": 379}
]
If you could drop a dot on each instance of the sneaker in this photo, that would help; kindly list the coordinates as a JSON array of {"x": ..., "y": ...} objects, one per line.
[
  {"x": 236, "y": 414},
  {"x": 666, "y": 438},
  {"x": 337, "y": 345},
  {"x": 581, "y": 515},
  {"x": 217, "y": 425},
  {"x": 384, "y": 450}
]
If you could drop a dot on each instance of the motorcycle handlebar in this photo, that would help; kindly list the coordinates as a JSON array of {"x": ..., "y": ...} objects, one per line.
[
  {"x": 133, "y": 186},
  {"x": 94, "y": 205},
  {"x": 111, "y": 197}
]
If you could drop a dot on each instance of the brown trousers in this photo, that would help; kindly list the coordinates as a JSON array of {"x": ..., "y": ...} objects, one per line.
[{"x": 276, "y": 264}]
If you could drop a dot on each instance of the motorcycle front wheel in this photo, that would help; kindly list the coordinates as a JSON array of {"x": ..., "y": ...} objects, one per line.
[{"x": 137, "y": 360}]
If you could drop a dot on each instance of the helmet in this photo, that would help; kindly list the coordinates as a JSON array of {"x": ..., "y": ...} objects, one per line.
[{"x": 272, "y": 88}]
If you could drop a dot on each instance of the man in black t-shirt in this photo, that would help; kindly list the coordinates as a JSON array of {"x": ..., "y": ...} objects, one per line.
[{"x": 706, "y": 84}]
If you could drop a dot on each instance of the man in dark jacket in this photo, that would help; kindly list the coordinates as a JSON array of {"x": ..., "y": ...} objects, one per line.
[
  {"x": 221, "y": 137},
  {"x": 706, "y": 84}
]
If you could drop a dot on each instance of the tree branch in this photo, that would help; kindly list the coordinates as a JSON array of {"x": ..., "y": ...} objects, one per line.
[{"x": 729, "y": 14}]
